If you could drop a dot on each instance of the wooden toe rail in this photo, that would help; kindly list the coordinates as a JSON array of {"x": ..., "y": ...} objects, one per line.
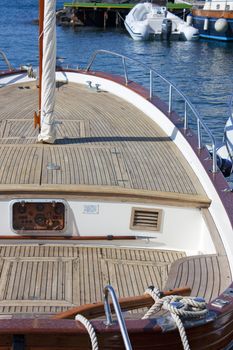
[{"x": 95, "y": 310}]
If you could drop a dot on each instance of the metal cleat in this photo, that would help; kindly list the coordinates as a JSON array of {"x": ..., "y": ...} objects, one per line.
[
  {"x": 97, "y": 87},
  {"x": 89, "y": 83}
]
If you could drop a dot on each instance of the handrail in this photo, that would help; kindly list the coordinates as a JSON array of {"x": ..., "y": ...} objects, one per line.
[
  {"x": 108, "y": 289},
  {"x": 200, "y": 123},
  {"x": 5, "y": 59}
]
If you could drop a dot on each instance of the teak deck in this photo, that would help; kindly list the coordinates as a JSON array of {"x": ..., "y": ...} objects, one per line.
[
  {"x": 101, "y": 142},
  {"x": 60, "y": 277}
]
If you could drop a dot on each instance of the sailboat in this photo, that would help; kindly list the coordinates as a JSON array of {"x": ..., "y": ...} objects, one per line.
[{"x": 116, "y": 221}]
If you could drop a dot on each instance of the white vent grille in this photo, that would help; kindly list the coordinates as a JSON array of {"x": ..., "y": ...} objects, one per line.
[{"x": 146, "y": 219}]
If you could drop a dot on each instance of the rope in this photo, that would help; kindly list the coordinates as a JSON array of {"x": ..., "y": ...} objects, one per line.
[
  {"x": 179, "y": 306},
  {"x": 120, "y": 16},
  {"x": 90, "y": 329}
]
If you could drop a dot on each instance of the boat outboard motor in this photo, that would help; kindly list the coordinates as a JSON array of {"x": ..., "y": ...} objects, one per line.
[
  {"x": 166, "y": 29},
  {"x": 225, "y": 165}
]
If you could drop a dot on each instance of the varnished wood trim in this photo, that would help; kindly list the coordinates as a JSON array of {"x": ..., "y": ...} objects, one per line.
[
  {"x": 212, "y": 13},
  {"x": 5, "y": 73},
  {"x": 131, "y": 303},
  {"x": 143, "y": 334},
  {"x": 116, "y": 194},
  {"x": 68, "y": 238}
]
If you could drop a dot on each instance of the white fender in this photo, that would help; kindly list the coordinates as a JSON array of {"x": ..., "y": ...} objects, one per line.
[{"x": 221, "y": 25}]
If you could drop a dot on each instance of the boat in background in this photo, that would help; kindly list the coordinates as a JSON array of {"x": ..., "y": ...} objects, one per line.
[
  {"x": 115, "y": 194},
  {"x": 149, "y": 21},
  {"x": 214, "y": 20}
]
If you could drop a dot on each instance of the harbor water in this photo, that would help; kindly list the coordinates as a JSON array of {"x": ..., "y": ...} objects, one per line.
[{"x": 203, "y": 70}]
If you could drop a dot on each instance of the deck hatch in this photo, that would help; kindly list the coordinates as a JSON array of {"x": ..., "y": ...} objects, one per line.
[
  {"x": 23, "y": 129},
  {"x": 146, "y": 219}
]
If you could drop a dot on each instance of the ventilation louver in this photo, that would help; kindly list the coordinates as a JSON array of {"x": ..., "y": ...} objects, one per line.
[{"x": 146, "y": 219}]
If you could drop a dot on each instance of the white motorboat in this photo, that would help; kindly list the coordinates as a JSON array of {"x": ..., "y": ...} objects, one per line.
[{"x": 147, "y": 20}]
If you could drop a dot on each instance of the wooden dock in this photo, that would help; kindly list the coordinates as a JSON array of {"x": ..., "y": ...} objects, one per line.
[
  {"x": 103, "y": 14},
  {"x": 128, "y": 6}
]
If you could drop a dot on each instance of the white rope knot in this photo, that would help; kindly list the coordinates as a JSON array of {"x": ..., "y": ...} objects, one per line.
[
  {"x": 180, "y": 308},
  {"x": 90, "y": 329}
]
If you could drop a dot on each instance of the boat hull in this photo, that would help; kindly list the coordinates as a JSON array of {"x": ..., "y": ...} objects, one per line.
[{"x": 205, "y": 22}]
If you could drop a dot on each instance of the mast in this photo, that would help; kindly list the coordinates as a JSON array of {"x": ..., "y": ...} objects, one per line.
[
  {"x": 41, "y": 25},
  {"x": 47, "y": 79}
]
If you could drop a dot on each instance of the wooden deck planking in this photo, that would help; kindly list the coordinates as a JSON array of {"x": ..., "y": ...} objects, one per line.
[
  {"x": 21, "y": 128},
  {"x": 202, "y": 274},
  {"x": 51, "y": 278},
  {"x": 20, "y": 165},
  {"x": 27, "y": 101},
  {"x": 102, "y": 141}
]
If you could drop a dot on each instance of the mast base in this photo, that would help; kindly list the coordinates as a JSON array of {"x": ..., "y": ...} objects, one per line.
[{"x": 36, "y": 120}]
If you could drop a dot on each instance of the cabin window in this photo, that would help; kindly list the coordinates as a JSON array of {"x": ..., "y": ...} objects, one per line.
[
  {"x": 227, "y": 7},
  {"x": 218, "y": 7},
  {"x": 145, "y": 219}
]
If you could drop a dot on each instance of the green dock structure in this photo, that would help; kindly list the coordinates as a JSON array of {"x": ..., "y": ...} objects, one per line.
[
  {"x": 128, "y": 6},
  {"x": 103, "y": 14}
]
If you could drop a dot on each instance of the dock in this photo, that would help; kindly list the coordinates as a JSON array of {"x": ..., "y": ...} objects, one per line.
[{"x": 103, "y": 14}]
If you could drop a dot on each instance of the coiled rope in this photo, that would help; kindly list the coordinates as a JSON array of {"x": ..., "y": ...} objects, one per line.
[
  {"x": 179, "y": 306},
  {"x": 90, "y": 329}
]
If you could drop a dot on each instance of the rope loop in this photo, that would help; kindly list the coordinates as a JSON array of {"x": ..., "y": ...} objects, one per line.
[{"x": 179, "y": 307}]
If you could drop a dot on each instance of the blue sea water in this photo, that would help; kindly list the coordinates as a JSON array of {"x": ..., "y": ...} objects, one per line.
[{"x": 203, "y": 70}]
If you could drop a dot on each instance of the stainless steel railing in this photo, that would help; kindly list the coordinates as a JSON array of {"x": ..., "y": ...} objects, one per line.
[
  {"x": 109, "y": 290},
  {"x": 4, "y": 58},
  {"x": 171, "y": 88}
]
